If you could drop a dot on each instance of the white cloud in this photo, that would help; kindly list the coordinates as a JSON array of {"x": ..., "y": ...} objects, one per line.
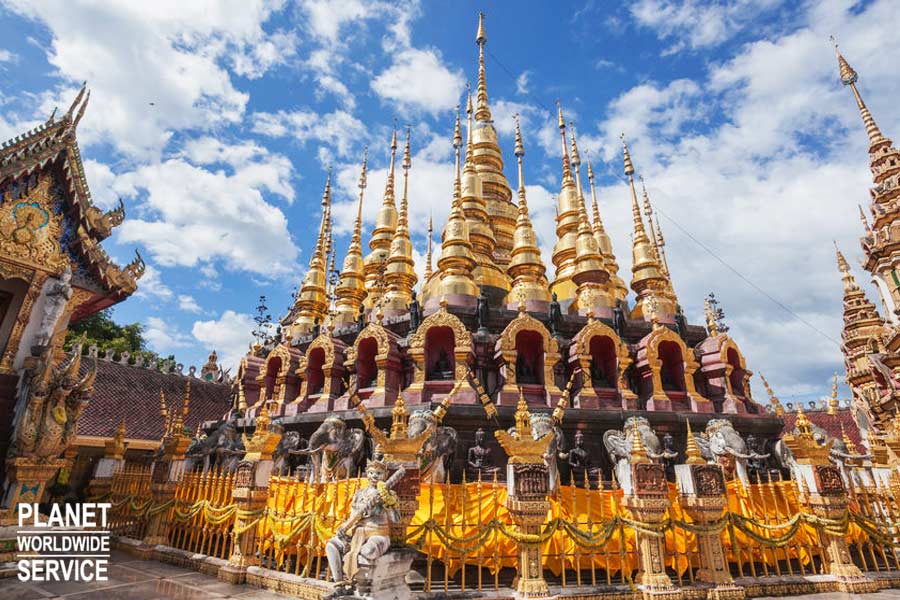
[
  {"x": 187, "y": 303},
  {"x": 695, "y": 23},
  {"x": 229, "y": 335},
  {"x": 7, "y": 56},
  {"x": 190, "y": 215},
  {"x": 151, "y": 285},
  {"x": 338, "y": 129},
  {"x": 167, "y": 53},
  {"x": 522, "y": 82},
  {"x": 419, "y": 80},
  {"x": 164, "y": 338}
]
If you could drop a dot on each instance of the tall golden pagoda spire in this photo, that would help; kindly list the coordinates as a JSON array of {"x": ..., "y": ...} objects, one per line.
[
  {"x": 486, "y": 273},
  {"x": 312, "y": 301},
  {"x": 351, "y": 289},
  {"x": 604, "y": 244},
  {"x": 647, "y": 275},
  {"x": 456, "y": 262},
  {"x": 566, "y": 223},
  {"x": 526, "y": 266},
  {"x": 590, "y": 269},
  {"x": 488, "y": 160},
  {"x": 849, "y": 77},
  {"x": 383, "y": 233},
  {"x": 656, "y": 237},
  {"x": 400, "y": 274},
  {"x": 850, "y": 284},
  {"x": 427, "y": 273}
]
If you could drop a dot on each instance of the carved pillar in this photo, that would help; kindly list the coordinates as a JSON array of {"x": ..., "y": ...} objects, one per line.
[
  {"x": 250, "y": 492},
  {"x": 703, "y": 498},
  {"x": 648, "y": 503},
  {"x": 15, "y": 336},
  {"x": 828, "y": 501},
  {"x": 527, "y": 486},
  {"x": 166, "y": 473}
]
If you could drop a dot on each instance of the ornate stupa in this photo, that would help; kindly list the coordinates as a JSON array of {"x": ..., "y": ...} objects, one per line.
[
  {"x": 489, "y": 321},
  {"x": 871, "y": 341}
]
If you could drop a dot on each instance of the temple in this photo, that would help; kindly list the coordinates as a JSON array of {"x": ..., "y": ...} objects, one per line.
[{"x": 490, "y": 313}]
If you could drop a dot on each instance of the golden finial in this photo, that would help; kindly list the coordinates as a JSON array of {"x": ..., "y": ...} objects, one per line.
[
  {"x": 849, "y": 78},
  {"x": 629, "y": 168},
  {"x": 163, "y": 410},
  {"x": 692, "y": 451},
  {"x": 567, "y": 170},
  {"x": 400, "y": 418},
  {"x": 773, "y": 399},
  {"x": 481, "y": 36},
  {"x": 428, "y": 253},
  {"x": 444, "y": 302},
  {"x": 850, "y": 284},
  {"x": 710, "y": 315},
  {"x": 848, "y": 75},
  {"x": 576, "y": 157},
  {"x": 638, "y": 451},
  {"x": 833, "y": 401},
  {"x": 457, "y": 129},
  {"x": 862, "y": 217},
  {"x": 483, "y": 113},
  {"x": 520, "y": 148},
  {"x": 804, "y": 427},
  {"x": 115, "y": 447}
]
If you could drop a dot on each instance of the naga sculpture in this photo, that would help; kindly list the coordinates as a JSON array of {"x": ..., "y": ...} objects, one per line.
[
  {"x": 723, "y": 445},
  {"x": 618, "y": 445},
  {"x": 54, "y": 399},
  {"x": 335, "y": 451},
  {"x": 439, "y": 448}
]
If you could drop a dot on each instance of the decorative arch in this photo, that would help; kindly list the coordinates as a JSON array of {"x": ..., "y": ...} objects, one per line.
[
  {"x": 277, "y": 375},
  {"x": 650, "y": 359},
  {"x": 419, "y": 346},
  {"x": 319, "y": 371},
  {"x": 375, "y": 347},
  {"x": 582, "y": 351},
  {"x": 507, "y": 354},
  {"x": 742, "y": 378}
]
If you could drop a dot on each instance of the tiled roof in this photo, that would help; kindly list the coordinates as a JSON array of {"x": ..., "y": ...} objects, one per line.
[
  {"x": 830, "y": 423},
  {"x": 133, "y": 393}
]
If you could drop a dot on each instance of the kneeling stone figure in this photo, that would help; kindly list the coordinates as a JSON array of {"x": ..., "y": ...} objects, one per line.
[{"x": 365, "y": 535}]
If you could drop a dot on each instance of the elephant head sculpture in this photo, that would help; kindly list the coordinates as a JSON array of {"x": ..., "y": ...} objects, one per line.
[
  {"x": 618, "y": 446},
  {"x": 439, "y": 448},
  {"x": 542, "y": 424},
  {"x": 723, "y": 445},
  {"x": 286, "y": 457},
  {"x": 335, "y": 451},
  {"x": 216, "y": 449},
  {"x": 839, "y": 455}
]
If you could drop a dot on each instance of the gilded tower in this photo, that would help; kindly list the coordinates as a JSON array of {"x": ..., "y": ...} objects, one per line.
[
  {"x": 351, "y": 289},
  {"x": 566, "y": 224},
  {"x": 615, "y": 284},
  {"x": 311, "y": 304},
  {"x": 400, "y": 274},
  {"x": 488, "y": 159},
  {"x": 383, "y": 234}
]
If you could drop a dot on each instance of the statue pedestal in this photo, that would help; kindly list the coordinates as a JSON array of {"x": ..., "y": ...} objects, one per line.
[
  {"x": 387, "y": 578},
  {"x": 648, "y": 504},
  {"x": 26, "y": 479}
]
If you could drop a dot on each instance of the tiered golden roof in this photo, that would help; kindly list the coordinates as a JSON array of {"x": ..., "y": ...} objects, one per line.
[
  {"x": 351, "y": 289},
  {"x": 383, "y": 233},
  {"x": 564, "y": 251},
  {"x": 526, "y": 266},
  {"x": 615, "y": 284},
  {"x": 312, "y": 300},
  {"x": 803, "y": 444},
  {"x": 400, "y": 274}
]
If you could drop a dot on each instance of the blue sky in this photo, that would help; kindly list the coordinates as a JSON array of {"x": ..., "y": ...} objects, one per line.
[{"x": 215, "y": 121}]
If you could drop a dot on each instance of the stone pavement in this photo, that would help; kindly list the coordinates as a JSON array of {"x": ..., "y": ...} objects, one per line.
[{"x": 132, "y": 579}]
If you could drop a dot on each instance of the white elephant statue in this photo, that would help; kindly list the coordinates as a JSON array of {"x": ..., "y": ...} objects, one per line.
[
  {"x": 618, "y": 445},
  {"x": 721, "y": 444}
]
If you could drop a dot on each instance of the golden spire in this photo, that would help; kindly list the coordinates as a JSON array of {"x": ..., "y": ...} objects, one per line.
[
  {"x": 526, "y": 266},
  {"x": 312, "y": 300},
  {"x": 576, "y": 162},
  {"x": 481, "y": 236},
  {"x": 604, "y": 244},
  {"x": 849, "y": 77},
  {"x": 647, "y": 275},
  {"x": 456, "y": 262},
  {"x": 862, "y": 217},
  {"x": 428, "y": 254},
  {"x": 833, "y": 401},
  {"x": 351, "y": 289},
  {"x": 648, "y": 212},
  {"x": 638, "y": 451},
  {"x": 692, "y": 451},
  {"x": 773, "y": 399},
  {"x": 710, "y": 315},
  {"x": 483, "y": 112},
  {"x": 567, "y": 223},
  {"x": 383, "y": 233},
  {"x": 850, "y": 284},
  {"x": 400, "y": 274}
]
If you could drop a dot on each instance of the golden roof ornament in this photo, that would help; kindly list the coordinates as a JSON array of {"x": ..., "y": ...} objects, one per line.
[
  {"x": 521, "y": 447},
  {"x": 114, "y": 448},
  {"x": 692, "y": 451},
  {"x": 397, "y": 446},
  {"x": 773, "y": 399},
  {"x": 851, "y": 447},
  {"x": 710, "y": 315},
  {"x": 261, "y": 445},
  {"x": 638, "y": 451},
  {"x": 849, "y": 77},
  {"x": 850, "y": 284},
  {"x": 833, "y": 401},
  {"x": 351, "y": 289},
  {"x": 803, "y": 444},
  {"x": 483, "y": 111}
]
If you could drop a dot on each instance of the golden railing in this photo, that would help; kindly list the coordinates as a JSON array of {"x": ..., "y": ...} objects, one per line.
[{"x": 466, "y": 539}]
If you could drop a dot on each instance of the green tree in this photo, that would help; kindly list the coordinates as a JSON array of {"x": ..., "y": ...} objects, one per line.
[{"x": 100, "y": 330}]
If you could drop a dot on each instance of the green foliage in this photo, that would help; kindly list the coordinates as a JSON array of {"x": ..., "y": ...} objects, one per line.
[{"x": 100, "y": 330}]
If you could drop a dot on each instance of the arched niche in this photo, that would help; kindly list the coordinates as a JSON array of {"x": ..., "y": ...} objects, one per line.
[
  {"x": 277, "y": 378},
  {"x": 374, "y": 361},
  {"x": 604, "y": 360},
  {"x": 320, "y": 371},
  {"x": 249, "y": 393},
  {"x": 441, "y": 351},
  {"x": 725, "y": 375},
  {"x": 666, "y": 369},
  {"x": 526, "y": 346}
]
